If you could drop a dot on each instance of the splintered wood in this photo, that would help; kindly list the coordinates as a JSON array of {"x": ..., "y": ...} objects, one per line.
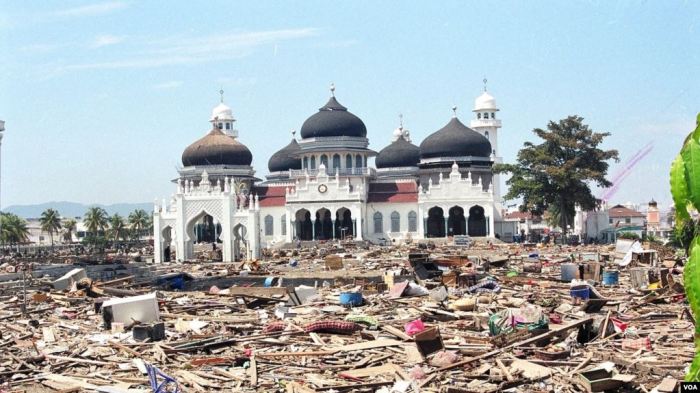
[{"x": 430, "y": 318}]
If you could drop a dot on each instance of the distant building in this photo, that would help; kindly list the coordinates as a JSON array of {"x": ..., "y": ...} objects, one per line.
[{"x": 653, "y": 217}]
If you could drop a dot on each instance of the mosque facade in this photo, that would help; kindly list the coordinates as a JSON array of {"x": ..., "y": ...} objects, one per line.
[{"x": 321, "y": 187}]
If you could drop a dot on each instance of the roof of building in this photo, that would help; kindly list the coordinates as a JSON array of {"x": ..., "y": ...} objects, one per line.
[
  {"x": 270, "y": 196},
  {"x": 485, "y": 102},
  {"x": 518, "y": 215},
  {"x": 216, "y": 148},
  {"x": 618, "y": 211},
  {"x": 284, "y": 159},
  {"x": 332, "y": 120},
  {"x": 402, "y": 192},
  {"x": 455, "y": 140},
  {"x": 400, "y": 153}
]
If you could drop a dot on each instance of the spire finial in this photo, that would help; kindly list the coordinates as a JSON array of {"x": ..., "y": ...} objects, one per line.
[
  {"x": 221, "y": 93},
  {"x": 401, "y": 121},
  {"x": 485, "y": 80},
  {"x": 332, "y": 89},
  {"x": 294, "y": 134},
  {"x": 454, "y": 110}
]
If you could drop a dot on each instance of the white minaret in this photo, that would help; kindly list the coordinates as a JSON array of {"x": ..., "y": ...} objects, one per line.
[
  {"x": 486, "y": 123},
  {"x": 223, "y": 115}
]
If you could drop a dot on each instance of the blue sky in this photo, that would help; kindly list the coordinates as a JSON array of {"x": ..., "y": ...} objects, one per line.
[{"x": 101, "y": 98}]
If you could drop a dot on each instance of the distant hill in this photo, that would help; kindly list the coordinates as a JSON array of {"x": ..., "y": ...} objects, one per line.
[{"x": 73, "y": 209}]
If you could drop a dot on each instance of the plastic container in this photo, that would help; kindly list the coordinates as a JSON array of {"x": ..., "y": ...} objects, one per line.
[
  {"x": 611, "y": 277},
  {"x": 350, "y": 299},
  {"x": 581, "y": 292},
  {"x": 569, "y": 271}
]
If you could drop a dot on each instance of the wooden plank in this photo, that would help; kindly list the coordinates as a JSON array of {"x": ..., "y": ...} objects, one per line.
[
  {"x": 397, "y": 332},
  {"x": 294, "y": 354},
  {"x": 369, "y": 345},
  {"x": 253, "y": 372}
]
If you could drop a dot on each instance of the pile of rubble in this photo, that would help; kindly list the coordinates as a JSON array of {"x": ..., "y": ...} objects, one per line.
[{"x": 482, "y": 318}]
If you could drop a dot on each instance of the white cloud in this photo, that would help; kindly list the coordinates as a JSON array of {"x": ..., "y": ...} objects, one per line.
[
  {"x": 168, "y": 85},
  {"x": 197, "y": 50},
  {"x": 92, "y": 9},
  {"x": 105, "y": 40}
]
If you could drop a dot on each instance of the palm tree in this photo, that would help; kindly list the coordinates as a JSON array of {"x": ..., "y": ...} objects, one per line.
[
  {"x": 139, "y": 220},
  {"x": 95, "y": 220},
  {"x": 117, "y": 225},
  {"x": 68, "y": 229},
  {"x": 13, "y": 229},
  {"x": 50, "y": 222}
]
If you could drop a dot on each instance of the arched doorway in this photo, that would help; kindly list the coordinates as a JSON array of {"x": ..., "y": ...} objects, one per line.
[
  {"x": 304, "y": 228},
  {"x": 343, "y": 223},
  {"x": 205, "y": 229},
  {"x": 167, "y": 236},
  {"x": 324, "y": 224},
  {"x": 477, "y": 221},
  {"x": 240, "y": 242},
  {"x": 456, "y": 223},
  {"x": 436, "y": 223}
]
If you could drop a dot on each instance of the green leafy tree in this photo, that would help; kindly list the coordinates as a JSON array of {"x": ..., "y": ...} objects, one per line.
[
  {"x": 117, "y": 227},
  {"x": 685, "y": 189},
  {"x": 556, "y": 174},
  {"x": 13, "y": 229},
  {"x": 96, "y": 221},
  {"x": 69, "y": 227},
  {"x": 139, "y": 220},
  {"x": 50, "y": 221}
]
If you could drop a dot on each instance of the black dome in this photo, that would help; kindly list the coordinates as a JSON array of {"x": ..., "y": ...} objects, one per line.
[
  {"x": 216, "y": 148},
  {"x": 400, "y": 153},
  {"x": 285, "y": 159},
  {"x": 333, "y": 120},
  {"x": 455, "y": 140}
]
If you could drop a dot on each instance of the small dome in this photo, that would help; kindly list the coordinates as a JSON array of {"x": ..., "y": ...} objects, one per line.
[
  {"x": 216, "y": 148},
  {"x": 455, "y": 140},
  {"x": 400, "y": 153},
  {"x": 485, "y": 102},
  {"x": 285, "y": 159},
  {"x": 222, "y": 112},
  {"x": 333, "y": 120}
]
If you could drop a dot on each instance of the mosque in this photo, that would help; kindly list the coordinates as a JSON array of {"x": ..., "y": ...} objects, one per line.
[{"x": 321, "y": 187}]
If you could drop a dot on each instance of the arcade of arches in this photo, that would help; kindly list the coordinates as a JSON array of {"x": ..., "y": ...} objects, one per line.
[
  {"x": 455, "y": 223},
  {"x": 324, "y": 225}
]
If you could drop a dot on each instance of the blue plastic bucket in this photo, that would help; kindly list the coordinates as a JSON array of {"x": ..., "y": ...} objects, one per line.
[
  {"x": 581, "y": 293},
  {"x": 610, "y": 277},
  {"x": 569, "y": 271},
  {"x": 351, "y": 298}
]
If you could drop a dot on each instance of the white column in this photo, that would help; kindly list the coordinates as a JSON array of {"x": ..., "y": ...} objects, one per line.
[
  {"x": 228, "y": 209},
  {"x": 492, "y": 229},
  {"x": 181, "y": 249},
  {"x": 421, "y": 222},
  {"x": 357, "y": 215},
  {"x": 290, "y": 229}
]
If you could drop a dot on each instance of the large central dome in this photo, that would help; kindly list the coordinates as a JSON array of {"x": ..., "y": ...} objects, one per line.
[
  {"x": 216, "y": 148},
  {"x": 455, "y": 140},
  {"x": 333, "y": 120}
]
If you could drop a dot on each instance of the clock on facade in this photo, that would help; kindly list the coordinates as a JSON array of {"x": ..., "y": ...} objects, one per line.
[{"x": 322, "y": 188}]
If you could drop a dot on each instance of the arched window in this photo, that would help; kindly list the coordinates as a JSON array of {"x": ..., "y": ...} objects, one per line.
[
  {"x": 486, "y": 134},
  {"x": 268, "y": 225},
  {"x": 306, "y": 162},
  {"x": 336, "y": 161},
  {"x": 324, "y": 160},
  {"x": 478, "y": 115},
  {"x": 412, "y": 221},
  {"x": 283, "y": 222},
  {"x": 358, "y": 161},
  {"x": 313, "y": 162},
  {"x": 395, "y": 222},
  {"x": 348, "y": 161},
  {"x": 378, "y": 223},
  {"x": 221, "y": 126},
  {"x": 493, "y": 115}
]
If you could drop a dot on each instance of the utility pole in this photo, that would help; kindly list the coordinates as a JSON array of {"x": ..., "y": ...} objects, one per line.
[{"x": 2, "y": 130}]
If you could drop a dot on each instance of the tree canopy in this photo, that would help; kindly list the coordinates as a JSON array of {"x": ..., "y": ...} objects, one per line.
[
  {"x": 50, "y": 222},
  {"x": 556, "y": 174}
]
